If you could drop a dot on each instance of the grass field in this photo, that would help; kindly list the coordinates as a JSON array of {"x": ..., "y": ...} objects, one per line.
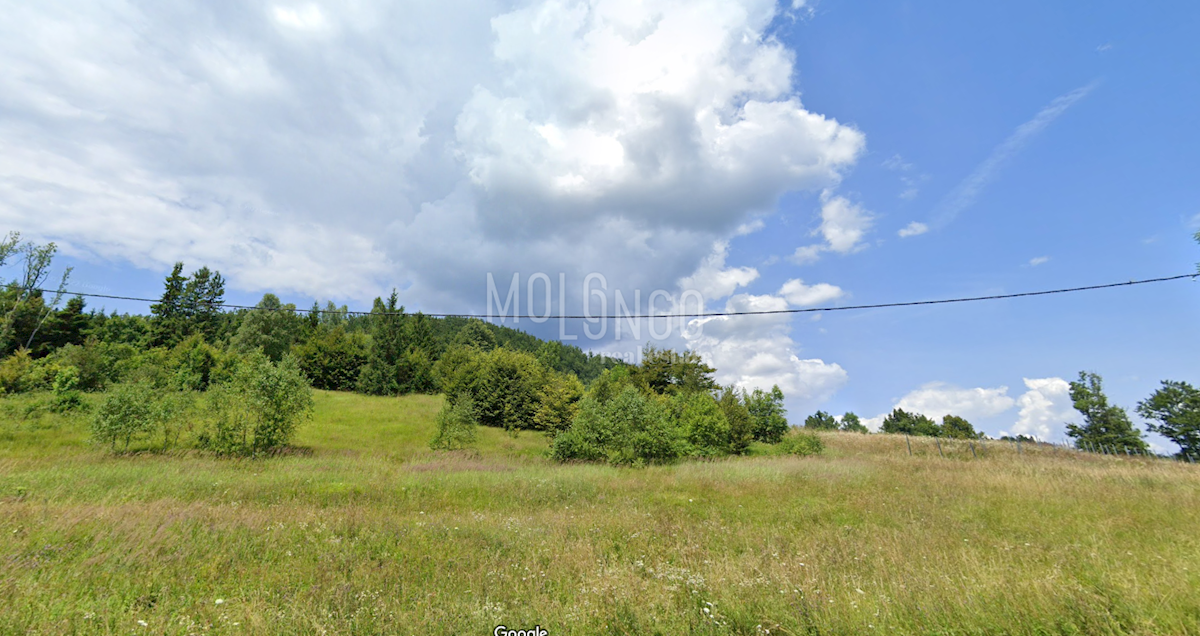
[{"x": 362, "y": 530}]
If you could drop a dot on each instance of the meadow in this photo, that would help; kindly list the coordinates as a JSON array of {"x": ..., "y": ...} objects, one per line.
[{"x": 360, "y": 529}]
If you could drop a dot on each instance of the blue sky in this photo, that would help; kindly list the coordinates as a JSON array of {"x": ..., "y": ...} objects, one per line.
[{"x": 325, "y": 152}]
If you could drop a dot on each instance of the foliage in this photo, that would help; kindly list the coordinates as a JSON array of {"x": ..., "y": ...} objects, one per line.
[
  {"x": 332, "y": 358},
  {"x": 610, "y": 383},
  {"x": 476, "y": 334},
  {"x": 65, "y": 394},
  {"x": 1104, "y": 425},
  {"x": 189, "y": 305},
  {"x": 901, "y": 422},
  {"x": 852, "y": 424},
  {"x": 821, "y": 421},
  {"x": 15, "y": 372},
  {"x": 767, "y": 412},
  {"x": 271, "y": 327},
  {"x": 398, "y": 358},
  {"x": 741, "y": 424},
  {"x": 25, "y": 310},
  {"x": 558, "y": 403},
  {"x": 1176, "y": 409},
  {"x": 631, "y": 428},
  {"x": 258, "y": 409},
  {"x": 956, "y": 427},
  {"x": 138, "y": 412},
  {"x": 666, "y": 372},
  {"x": 455, "y": 426},
  {"x": 506, "y": 392},
  {"x": 800, "y": 443},
  {"x": 704, "y": 425},
  {"x": 97, "y": 362}
]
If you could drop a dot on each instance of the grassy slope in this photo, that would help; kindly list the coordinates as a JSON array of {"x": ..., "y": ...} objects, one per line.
[{"x": 368, "y": 532}]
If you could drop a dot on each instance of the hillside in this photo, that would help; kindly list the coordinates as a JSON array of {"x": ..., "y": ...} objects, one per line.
[{"x": 360, "y": 529}]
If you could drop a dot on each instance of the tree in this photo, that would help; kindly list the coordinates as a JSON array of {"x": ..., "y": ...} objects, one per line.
[
  {"x": 820, "y": 421},
  {"x": 704, "y": 425},
  {"x": 1104, "y": 425},
  {"x": 852, "y": 424},
  {"x": 332, "y": 359},
  {"x": 455, "y": 426},
  {"x": 168, "y": 312},
  {"x": 956, "y": 427},
  {"x": 901, "y": 422},
  {"x": 271, "y": 327},
  {"x": 189, "y": 305},
  {"x": 741, "y": 425},
  {"x": 1176, "y": 408},
  {"x": 476, "y": 334},
  {"x": 558, "y": 402},
  {"x": 26, "y": 294},
  {"x": 767, "y": 412},
  {"x": 667, "y": 372}
]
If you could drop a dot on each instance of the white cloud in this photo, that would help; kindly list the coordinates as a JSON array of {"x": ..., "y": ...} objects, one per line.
[
  {"x": 1039, "y": 260},
  {"x": 806, "y": 254},
  {"x": 843, "y": 224},
  {"x": 896, "y": 162},
  {"x": 937, "y": 399},
  {"x": 714, "y": 280},
  {"x": 913, "y": 229},
  {"x": 338, "y": 149},
  {"x": 757, "y": 352},
  {"x": 1045, "y": 408},
  {"x": 800, "y": 295}
]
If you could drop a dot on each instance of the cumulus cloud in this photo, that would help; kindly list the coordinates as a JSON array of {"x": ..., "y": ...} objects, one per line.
[
  {"x": 937, "y": 399},
  {"x": 338, "y": 149},
  {"x": 714, "y": 280},
  {"x": 756, "y": 352},
  {"x": 843, "y": 226},
  {"x": 800, "y": 295},
  {"x": 913, "y": 229},
  {"x": 1045, "y": 408}
]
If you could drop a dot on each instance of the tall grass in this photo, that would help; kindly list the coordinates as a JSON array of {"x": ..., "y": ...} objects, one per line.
[{"x": 363, "y": 530}]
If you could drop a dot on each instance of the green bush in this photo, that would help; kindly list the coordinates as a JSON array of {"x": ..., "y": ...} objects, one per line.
[
  {"x": 630, "y": 428},
  {"x": 257, "y": 410},
  {"x": 15, "y": 372},
  {"x": 770, "y": 418},
  {"x": 455, "y": 426},
  {"x": 798, "y": 443},
  {"x": 64, "y": 394},
  {"x": 704, "y": 425},
  {"x": 139, "y": 413}
]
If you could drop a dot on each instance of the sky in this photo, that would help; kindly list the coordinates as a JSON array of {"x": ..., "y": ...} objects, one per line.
[{"x": 732, "y": 156}]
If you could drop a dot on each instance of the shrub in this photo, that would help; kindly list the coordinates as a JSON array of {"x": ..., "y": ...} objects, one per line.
[
  {"x": 97, "y": 362},
  {"x": 798, "y": 443},
  {"x": 741, "y": 425},
  {"x": 65, "y": 396},
  {"x": 455, "y": 426},
  {"x": 127, "y": 414},
  {"x": 15, "y": 372},
  {"x": 259, "y": 409},
  {"x": 704, "y": 425},
  {"x": 629, "y": 429},
  {"x": 558, "y": 403}
]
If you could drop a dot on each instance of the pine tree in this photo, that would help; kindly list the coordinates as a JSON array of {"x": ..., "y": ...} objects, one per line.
[{"x": 169, "y": 312}]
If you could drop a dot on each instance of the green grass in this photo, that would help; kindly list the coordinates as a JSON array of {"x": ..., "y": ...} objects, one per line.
[{"x": 363, "y": 530}]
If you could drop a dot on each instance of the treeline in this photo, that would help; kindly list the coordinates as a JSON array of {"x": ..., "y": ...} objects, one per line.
[
  {"x": 188, "y": 334},
  {"x": 665, "y": 409},
  {"x": 1172, "y": 411}
]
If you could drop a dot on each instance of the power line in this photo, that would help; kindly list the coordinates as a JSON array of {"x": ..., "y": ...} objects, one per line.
[{"x": 714, "y": 314}]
